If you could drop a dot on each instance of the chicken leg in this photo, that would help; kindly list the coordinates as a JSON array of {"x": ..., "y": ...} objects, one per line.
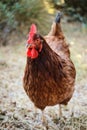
[
  {"x": 60, "y": 111},
  {"x": 43, "y": 118}
]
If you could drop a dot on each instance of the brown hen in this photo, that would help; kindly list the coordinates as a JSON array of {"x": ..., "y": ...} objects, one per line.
[{"x": 49, "y": 73}]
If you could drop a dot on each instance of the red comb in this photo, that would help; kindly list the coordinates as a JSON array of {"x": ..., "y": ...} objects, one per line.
[{"x": 33, "y": 30}]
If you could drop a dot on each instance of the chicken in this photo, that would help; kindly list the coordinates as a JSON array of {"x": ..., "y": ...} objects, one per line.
[{"x": 49, "y": 75}]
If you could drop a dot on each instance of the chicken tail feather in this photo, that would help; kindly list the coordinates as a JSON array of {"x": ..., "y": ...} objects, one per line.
[
  {"x": 58, "y": 17},
  {"x": 56, "y": 27}
]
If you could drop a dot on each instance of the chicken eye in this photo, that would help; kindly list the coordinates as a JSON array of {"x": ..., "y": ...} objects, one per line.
[
  {"x": 37, "y": 40},
  {"x": 30, "y": 48}
]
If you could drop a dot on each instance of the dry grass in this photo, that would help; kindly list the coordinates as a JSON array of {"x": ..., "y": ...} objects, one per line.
[{"x": 17, "y": 111}]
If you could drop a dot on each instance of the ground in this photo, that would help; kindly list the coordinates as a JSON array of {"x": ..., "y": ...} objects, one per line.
[{"x": 17, "y": 111}]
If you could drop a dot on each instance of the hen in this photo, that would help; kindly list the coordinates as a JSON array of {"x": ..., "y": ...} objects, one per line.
[{"x": 49, "y": 73}]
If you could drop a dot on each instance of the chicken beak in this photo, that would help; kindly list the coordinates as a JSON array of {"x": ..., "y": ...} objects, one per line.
[{"x": 28, "y": 45}]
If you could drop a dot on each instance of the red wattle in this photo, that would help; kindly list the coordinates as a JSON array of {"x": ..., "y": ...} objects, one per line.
[
  {"x": 29, "y": 53},
  {"x": 34, "y": 53}
]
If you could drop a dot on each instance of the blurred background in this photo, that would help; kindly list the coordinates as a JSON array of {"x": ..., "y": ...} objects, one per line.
[{"x": 16, "y": 16}]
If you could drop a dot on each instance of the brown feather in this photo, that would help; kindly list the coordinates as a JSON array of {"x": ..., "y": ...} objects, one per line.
[{"x": 49, "y": 79}]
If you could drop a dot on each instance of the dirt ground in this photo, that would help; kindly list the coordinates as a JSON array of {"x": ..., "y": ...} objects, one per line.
[{"x": 17, "y": 111}]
